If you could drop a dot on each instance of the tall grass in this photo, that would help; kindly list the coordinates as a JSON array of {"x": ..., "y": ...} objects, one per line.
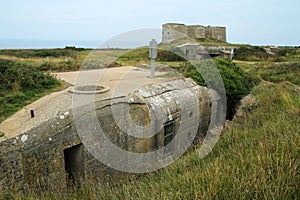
[{"x": 257, "y": 157}]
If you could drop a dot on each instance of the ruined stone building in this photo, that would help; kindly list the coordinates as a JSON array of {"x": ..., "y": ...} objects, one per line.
[
  {"x": 53, "y": 153},
  {"x": 174, "y": 31},
  {"x": 188, "y": 47},
  {"x": 193, "y": 51}
]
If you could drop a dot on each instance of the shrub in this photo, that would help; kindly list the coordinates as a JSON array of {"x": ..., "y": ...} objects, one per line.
[
  {"x": 45, "y": 66},
  {"x": 252, "y": 54},
  {"x": 281, "y": 72},
  {"x": 43, "y": 53},
  {"x": 286, "y": 52},
  {"x": 16, "y": 75},
  {"x": 237, "y": 84},
  {"x": 19, "y": 84},
  {"x": 168, "y": 56}
]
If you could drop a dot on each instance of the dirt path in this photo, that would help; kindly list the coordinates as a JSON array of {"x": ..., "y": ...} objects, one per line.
[{"x": 245, "y": 62}]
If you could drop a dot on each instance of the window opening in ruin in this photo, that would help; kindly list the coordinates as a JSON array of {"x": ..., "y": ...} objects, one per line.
[
  {"x": 73, "y": 158},
  {"x": 168, "y": 136}
]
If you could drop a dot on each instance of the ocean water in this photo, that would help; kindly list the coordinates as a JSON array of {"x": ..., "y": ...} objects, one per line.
[
  {"x": 130, "y": 39},
  {"x": 41, "y": 44},
  {"x": 49, "y": 44}
]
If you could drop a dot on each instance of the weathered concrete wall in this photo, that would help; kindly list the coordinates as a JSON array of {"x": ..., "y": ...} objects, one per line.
[
  {"x": 37, "y": 159},
  {"x": 193, "y": 51},
  {"x": 173, "y": 31},
  {"x": 196, "y": 31},
  {"x": 219, "y": 33}
]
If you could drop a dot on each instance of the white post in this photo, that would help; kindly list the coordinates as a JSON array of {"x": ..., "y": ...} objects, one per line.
[
  {"x": 152, "y": 68},
  {"x": 231, "y": 53},
  {"x": 153, "y": 55}
]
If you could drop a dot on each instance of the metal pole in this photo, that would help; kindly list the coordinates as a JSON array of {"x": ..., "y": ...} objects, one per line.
[
  {"x": 231, "y": 53},
  {"x": 32, "y": 113},
  {"x": 152, "y": 55},
  {"x": 152, "y": 67}
]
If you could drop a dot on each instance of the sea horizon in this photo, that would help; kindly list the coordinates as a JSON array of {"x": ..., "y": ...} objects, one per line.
[
  {"x": 52, "y": 44},
  {"x": 88, "y": 44},
  {"x": 46, "y": 43}
]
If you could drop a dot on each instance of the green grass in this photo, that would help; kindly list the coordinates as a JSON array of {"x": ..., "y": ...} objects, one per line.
[
  {"x": 22, "y": 84},
  {"x": 62, "y": 59},
  {"x": 277, "y": 72},
  {"x": 257, "y": 157},
  {"x": 259, "y": 54},
  {"x": 289, "y": 54},
  {"x": 253, "y": 53},
  {"x": 15, "y": 101},
  {"x": 215, "y": 42},
  {"x": 140, "y": 56},
  {"x": 203, "y": 42}
]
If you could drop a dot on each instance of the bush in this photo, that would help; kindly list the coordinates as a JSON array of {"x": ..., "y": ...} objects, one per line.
[
  {"x": 42, "y": 53},
  {"x": 163, "y": 55},
  {"x": 252, "y": 54},
  {"x": 281, "y": 72},
  {"x": 45, "y": 66},
  {"x": 286, "y": 52},
  {"x": 20, "y": 77},
  {"x": 237, "y": 84},
  {"x": 20, "y": 83}
]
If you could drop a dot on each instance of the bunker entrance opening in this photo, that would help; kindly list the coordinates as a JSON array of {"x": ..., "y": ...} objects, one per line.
[{"x": 73, "y": 158}]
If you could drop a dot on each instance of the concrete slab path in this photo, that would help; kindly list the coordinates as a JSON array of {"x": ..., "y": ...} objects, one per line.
[{"x": 120, "y": 80}]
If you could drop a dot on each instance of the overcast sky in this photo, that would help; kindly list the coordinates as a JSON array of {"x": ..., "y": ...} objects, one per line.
[{"x": 254, "y": 22}]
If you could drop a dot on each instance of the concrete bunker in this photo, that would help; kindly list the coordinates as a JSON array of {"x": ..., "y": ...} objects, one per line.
[
  {"x": 54, "y": 154},
  {"x": 73, "y": 159},
  {"x": 193, "y": 51},
  {"x": 168, "y": 136}
]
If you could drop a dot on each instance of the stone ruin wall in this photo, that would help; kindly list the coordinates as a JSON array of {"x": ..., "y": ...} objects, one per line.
[{"x": 173, "y": 31}]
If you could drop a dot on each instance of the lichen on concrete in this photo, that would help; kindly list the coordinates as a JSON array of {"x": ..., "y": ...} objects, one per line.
[{"x": 36, "y": 159}]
